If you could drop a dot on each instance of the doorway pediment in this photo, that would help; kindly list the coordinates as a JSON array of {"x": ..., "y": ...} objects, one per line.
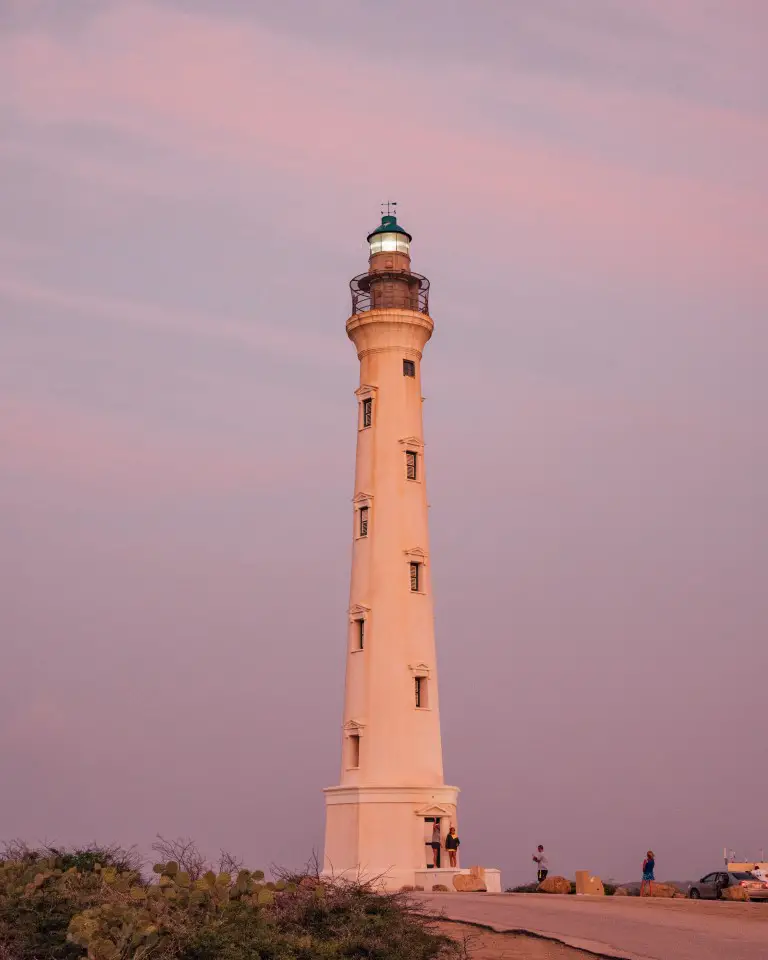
[{"x": 433, "y": 810}]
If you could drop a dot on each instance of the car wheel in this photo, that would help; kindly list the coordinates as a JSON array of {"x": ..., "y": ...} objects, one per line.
[{"x": 694, "y": 894}]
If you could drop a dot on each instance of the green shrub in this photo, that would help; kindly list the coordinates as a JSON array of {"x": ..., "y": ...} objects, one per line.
[{"x": 58, "y": 905}]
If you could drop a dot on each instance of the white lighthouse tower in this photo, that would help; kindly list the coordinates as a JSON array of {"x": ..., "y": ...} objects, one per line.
[{"x": 381, "y": 817}]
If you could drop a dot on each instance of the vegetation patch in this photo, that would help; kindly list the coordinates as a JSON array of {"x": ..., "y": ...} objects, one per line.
[{"x": 98, "y": 903}]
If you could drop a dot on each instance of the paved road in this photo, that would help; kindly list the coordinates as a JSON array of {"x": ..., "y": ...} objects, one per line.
[{"x": 624, "y": 927}]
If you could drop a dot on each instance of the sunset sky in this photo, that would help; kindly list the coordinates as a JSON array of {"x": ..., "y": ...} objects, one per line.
[{"x": 185, "y": 191}]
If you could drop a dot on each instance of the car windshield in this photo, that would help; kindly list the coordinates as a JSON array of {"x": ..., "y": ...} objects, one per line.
[{"x": 743, "y": 876}]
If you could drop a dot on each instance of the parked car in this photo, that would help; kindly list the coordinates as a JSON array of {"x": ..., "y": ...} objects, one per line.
[{"x": 711, "y": 886}]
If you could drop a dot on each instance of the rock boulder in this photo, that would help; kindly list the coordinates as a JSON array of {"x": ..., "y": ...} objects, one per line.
[
  {"x": 554, "y": 885},
  {"x": 735, "y": 893},
  {"x": 666, "y": 890},
  {"x": 469, "y": 883}
]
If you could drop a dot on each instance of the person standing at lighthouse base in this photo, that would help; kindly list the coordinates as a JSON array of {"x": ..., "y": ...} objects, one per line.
[
  {"x": 452, "y": 845},
  {"x": 649, "y": 865},
  {"x": 540, "y": 859},
  {"x": 436, "y": 844}
]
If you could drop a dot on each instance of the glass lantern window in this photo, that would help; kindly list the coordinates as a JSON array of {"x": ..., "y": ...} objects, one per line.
[{"x": 389, "y": 243}]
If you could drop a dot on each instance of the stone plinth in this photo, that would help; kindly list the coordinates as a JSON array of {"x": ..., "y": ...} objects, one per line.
[
  {"x": 587, "y": 884},
  {"x": 428, "y": 878}
]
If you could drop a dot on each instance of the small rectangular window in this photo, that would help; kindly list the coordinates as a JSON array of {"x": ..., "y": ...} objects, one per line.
[
  {"x": 354, "y": 750},
  {"x": 409, "y": 368},
  {"x": 415, "y": 577},
  {"x": 411, "y": 462},
  {"x": 360, "y": 634},
  {"x": 367, "y": 412},
  {"x": 363, "y": 521},
  {"x": 421, "y": 692}
]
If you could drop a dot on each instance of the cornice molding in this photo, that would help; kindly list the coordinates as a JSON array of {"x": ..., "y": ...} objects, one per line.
[
  {"x": 365, "y": 390},
  {"x": 358, "y": 611},
  {"x": 433, "y": 810},
  {"x": 409, "y": 352},
  {"x": 419, "y": 669},
  {"x": 353, "y": 728},
  {"x": 416, "y": 555},
  {"x": 411, "y": 442}
]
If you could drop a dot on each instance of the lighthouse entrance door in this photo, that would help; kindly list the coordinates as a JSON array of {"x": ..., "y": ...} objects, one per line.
[{"x": 429, "y": 826}]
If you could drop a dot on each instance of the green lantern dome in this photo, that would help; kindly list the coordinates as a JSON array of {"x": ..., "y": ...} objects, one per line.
[{"x": 389, "y": 224}]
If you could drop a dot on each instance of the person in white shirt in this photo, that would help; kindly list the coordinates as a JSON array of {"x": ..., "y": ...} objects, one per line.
[
  {"x": 543, "y": 864},
  {"x": 760, "y": 873}
]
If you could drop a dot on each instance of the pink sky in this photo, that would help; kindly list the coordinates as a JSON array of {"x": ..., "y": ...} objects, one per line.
[{"x": 185, "y": 190}]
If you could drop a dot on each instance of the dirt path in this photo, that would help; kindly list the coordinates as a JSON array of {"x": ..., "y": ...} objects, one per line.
[
  {"x": 625, "y": 928},
  {"x": 486, "y": 945}
]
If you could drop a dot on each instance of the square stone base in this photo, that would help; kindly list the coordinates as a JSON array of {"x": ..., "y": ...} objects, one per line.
[{"x": 444, "y": 875}]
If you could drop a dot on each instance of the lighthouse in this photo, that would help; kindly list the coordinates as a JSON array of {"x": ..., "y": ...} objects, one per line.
[{"x": 391, "y": 796}]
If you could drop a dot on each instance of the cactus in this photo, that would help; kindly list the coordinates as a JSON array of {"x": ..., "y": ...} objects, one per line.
[
  {"x": 197, "y": 898},
  {"x": 243, "y": 884},
  {"x": 122, "y": 917}
]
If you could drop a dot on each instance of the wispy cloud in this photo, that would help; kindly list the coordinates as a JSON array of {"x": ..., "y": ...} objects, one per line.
[
  {"x": 654, "y": 194},
  {"x": 296, "y": 344},
  {"x": 103, "y": 453}
]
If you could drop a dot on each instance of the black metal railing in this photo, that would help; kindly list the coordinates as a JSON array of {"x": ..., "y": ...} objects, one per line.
[{"x": 399, "y": 290}]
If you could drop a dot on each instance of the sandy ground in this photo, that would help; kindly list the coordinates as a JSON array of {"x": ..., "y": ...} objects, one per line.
[{"x": 486, "y": 945}]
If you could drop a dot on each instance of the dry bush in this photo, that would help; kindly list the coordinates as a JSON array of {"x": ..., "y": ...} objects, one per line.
[{"x": 183, "y": 851}]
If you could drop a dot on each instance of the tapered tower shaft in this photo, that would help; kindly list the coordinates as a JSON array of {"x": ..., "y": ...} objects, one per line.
[{"x": 391, "y": 789}]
